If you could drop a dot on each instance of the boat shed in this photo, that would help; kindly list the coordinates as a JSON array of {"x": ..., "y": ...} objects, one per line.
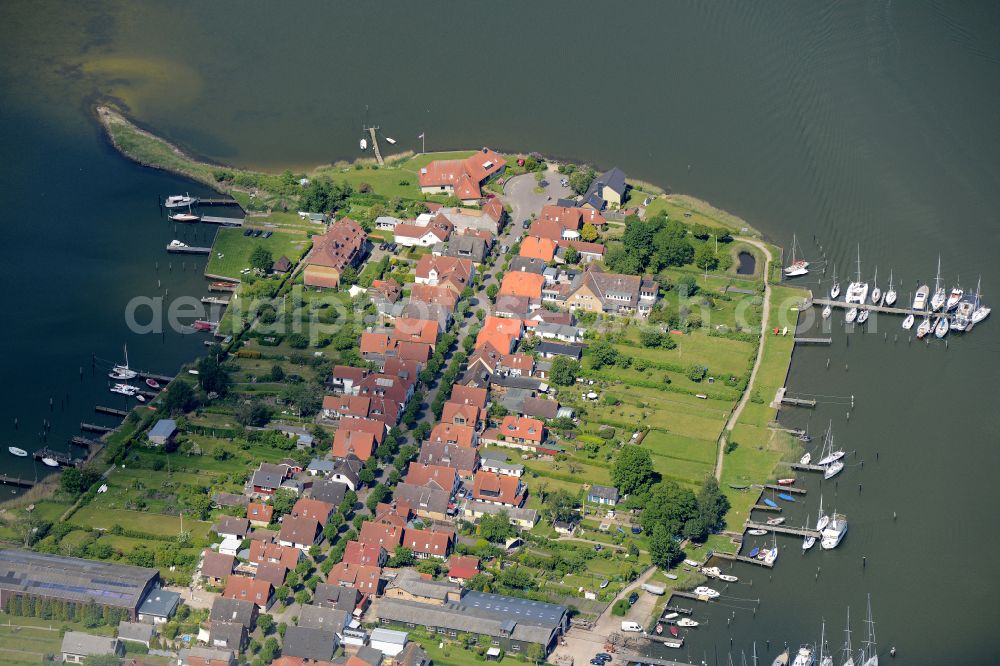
[{"x": 163, "y": 432}]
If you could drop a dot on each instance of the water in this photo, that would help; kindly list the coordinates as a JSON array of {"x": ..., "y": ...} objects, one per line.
[{"x": 870, "y": 123}]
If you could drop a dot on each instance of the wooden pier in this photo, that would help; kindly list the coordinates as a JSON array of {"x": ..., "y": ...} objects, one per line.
[
  {"x": 163, "y": 379},
  {"x": 84, "y": 442},
  {"x": 880, "y": 308},
  {"x": 813, "y": 341},
  {"x": 228, "y": 288},
  {"x": 93, "y": 427},
  {"x": 783, "y": 529},
  {"x": 689, "y": 595},
  {"x": 63, "y": 459},
  {"x": 742, "y": 558},
  {"x": 632, "y": 658},
  {"x": 15, "y": 481},
  {"x": 676, "y": 609},
  {"x": 187, "y": 249},
  {"x": 219, "y": 202},
  {"x": 669, "y": 641},
  {"x": 111, "y": 411},
  {"x": 378, "y": 153},
  {"x": 224, "y": 221},
  {"x": 764, "y": 507},
  {"x": 785, "y": 489},
  {"x": 806, "y": 468},
  {"x": 214, "y": 300},
  {"x": 798, "y": 402}
]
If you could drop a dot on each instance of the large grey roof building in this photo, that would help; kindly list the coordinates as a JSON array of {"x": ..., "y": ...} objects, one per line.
[{"x": 25, "y": 573}]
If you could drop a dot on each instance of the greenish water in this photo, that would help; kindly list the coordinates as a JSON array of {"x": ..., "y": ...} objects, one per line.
[{"x": 851, "y": 123}]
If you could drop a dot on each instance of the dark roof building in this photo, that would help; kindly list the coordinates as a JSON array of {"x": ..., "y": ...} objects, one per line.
[
  {"x": 309, "y": 643},
  {"x": 236, "y": 611},
  {"x": 551, "y": 349},
  {"x": 25, "y": 573},
  {"x": 329, "y": 491}
]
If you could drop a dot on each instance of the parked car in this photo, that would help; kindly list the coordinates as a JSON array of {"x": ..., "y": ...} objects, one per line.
[
  {"x": 597, "y": 662},
  {"x": 247, "y": 232},
  {"x": 632, "y": 598},
  {"x": 636, "y": 529},
  {"x": 267, "y": 234},
  {"x": 526, "y": 224},
  {"x": 603, "y": 656}
]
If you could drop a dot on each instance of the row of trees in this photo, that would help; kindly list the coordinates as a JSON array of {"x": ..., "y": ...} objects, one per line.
[{"x": 89, "y": 614}]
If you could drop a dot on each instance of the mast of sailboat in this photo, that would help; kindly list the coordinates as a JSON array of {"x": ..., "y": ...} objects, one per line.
[
  {"x": 847, "y": 639},
  {"x": 822, "y": 639},
  {"x": 755, "y": 653},
  {"x": 870, "y": 643},
  {"x": 978, "y": 283},
  {"x": 890, "y": 280},
  {"x": 937, "y": 280},
  {"x": 859, "y": 263},
  {"x": 875, "y": 281},
  {"x": 126, "y": 355}
]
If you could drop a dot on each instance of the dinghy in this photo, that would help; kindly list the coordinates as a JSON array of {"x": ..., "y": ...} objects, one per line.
[
  {"x": 775, "y": 521},
  {"x": 756, "y": 549},
  {"x": 786, "y": 497},
  {"x": 756, "y": 532}
]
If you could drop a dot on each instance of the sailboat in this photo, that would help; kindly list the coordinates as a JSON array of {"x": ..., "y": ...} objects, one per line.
[
  {"x": 123, "y": 371},
  {"x": 870, "y": 650},
  {"x": 908, "y": 321},
  {"x": 827, "y": 311},
  {"x": 924, "y": 328},
  {"x": 862, "y": 315},
  {"x": 890, "y": 293},
  {"x": 829, "y": 455},
  {"x": 824, "y": 660},
  {"x": 804, "y": 657},
  {"x": 857, "y": 291},
  {"x": 835, "y": 287},
  {"x": 849, "y": 656},
  {"x": 941, "y": 327},
  {"x": 979, "y": 312},
  {"x": 821, "y": 523},
  {"x": 772, "y": 555},
  {"x": 939, "y": 297},
  {"x": 851, "y": 315},
  {"x": 876, "y": 292},
  {"x": 798, "y": 266}
]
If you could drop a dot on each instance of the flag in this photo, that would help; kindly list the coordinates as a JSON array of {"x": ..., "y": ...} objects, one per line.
[{"x": 421, "y": 135}]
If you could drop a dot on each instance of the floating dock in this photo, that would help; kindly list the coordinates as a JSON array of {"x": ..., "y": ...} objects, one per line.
[
  {"x": 214, "y": 300},
  {"x": 743, "y": 558},
  {"x": 880, "y": 308},
  {"x": 93, "y": 427},
  {"x": 218, "y": 286},
  {"x": 676, "y": 609},
  {"x": 798, "y": 402},
  {"x": 163, "y": 379},
  {"x": 783, "y": 529},
  {"x": 632, "y": 658},
  {"x": 785, "y": 489},
  {"x": 378, "y": 153},
  {"x": 807, "y": 468},
  {"x": 813, "y": 341},
  {"x": 15, "y": 481},
  {"x": 224, "y": 221},
  {"x": 111, "y": 411},
  {"x": 218, "y": 202},
  {"x": 84, "y": 442},
  {"x": 187, "y": 249},
  {"x": 64, "y": 459},
  {"x": 764, "y": 507}
]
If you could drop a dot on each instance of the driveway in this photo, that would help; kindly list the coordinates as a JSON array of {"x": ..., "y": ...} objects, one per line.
[{"x": 520, "y": 193}]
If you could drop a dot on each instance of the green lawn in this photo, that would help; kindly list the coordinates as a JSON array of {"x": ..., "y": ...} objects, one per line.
[
  {"x": 97, "y": 516},
  {"x": 236, "y": 249}
]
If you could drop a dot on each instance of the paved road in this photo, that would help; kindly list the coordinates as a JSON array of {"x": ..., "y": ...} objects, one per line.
[{"x": 731, "y": 423}]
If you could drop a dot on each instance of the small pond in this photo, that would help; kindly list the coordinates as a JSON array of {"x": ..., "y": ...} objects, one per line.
[{"x": 748, "y": 263}]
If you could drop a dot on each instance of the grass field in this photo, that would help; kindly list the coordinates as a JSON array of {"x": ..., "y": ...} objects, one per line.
[
  {"x": 236, "y": 249},
  {"x": 94, "y": 515}
]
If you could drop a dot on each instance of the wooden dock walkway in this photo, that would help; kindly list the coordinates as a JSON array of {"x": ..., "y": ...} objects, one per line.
[
  {"x": 84, "y": 442},
  {"x": 214, "y": 300},
  {"x": 798, "y": 402},
  {"x": 163, "y": 379},
  {"x": 187, "y": 249},
  {"x": 689, "y": 595},
  {"x": 93, "y": 427},
  {"x": 764, "y": 507},
  {"x": 228, "y": 288},
  {"x": 633, "y": 658},
  {"x": 378, "y": 153},
  {"x": 101, "y": 409},
  {"x": 813, "y": 341},
  {"x": 806, "y": 468},
  {"x": 668, "y": 640},
  {"x": 15, "y": 481},
  {"x": 880, "y": 308},
  {"x": 219, "y": 202},
  {"x": 785, "y": 489},
  {"x": 783, "y": 529},
  {"x": 64, "y": 460},
  {"x": 676, "y": 609},
  {"x": 742, "y": 558},
  {"x": 224, "y": 221}
]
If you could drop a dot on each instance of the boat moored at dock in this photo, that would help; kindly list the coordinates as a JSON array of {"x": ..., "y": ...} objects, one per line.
[
  {"x": 834, "y": 532},
  {"x": 180, "y": 201}
]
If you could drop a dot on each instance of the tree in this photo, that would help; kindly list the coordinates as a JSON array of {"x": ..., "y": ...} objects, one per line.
[
  {"x": 580, "y": 180},
  {"x": 571, "y": 255},
  {"x": 535, "y": 653},
  {"x": 704, "y": 257},
  {"x": 266, "y": 623},
  {"x": 621, "y": 260},
  {"x": 671, "y": 246},
  {"x": 664, "y": 550},
  {"x": 282, "y": 500},
  {"x": 75, "y": 481},
  {"x": 696, "y": 372},
  {"x": 516, "y": 578},
  {"x": 602, "y": 353},
  {"x": 254, "y": 413},
  {"x": 564, "y": 371},
  {"x": 269, "y": 650},
  {"x": 669, "y": 505},
  {"x": 633, "y": 470},
  {"x": 712, "y": 503},
  {"x": 212, "y": 376},
  {"x": 650, "y": 337},
  {"x": 179, "y": 398},
  {"x": 277, "y": 373},
  {"x": 496, "y": 528},
  {"x": 378, "y": 494},
  {"x": 401, "y": 557},
  {"x": 492, "y": 290},
  {"x": 261, "y": 259},
  {"x": 560, "y": 505},
  {"x": 687, "y": 286},
  {"x": 589, "y": 232}
]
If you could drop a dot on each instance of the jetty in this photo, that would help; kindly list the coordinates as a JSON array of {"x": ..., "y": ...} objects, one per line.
[
  {"x": 669, "y": 641},
  {"x": 633, "y": 658},
  {"x": 218, "y": 202},
  {"x": 187, "y": 249},
  {"x": 219, "y": 286},
  {"x": 214, "y": 300},
  {"x": 224, "y": 221},
  {"x": 807, "y": 468},
  {"x": 93, "y": 427},
  {"x": 163, "y": 379},
  {"x": 784, "y": 529},
  {"x": 64, "y": 459},
  {"x": 813, "y": 341},
  {"x": 689, "y": 595},
  {"x": 111, "y": 411},
  {"x": 676, "y": 609},
  {"x": 8, "y": 480},
  {"x": 744, "y": 559},
  {"x": 84, "y": 442},
  {"x": 764, "y": 507},
  {"x": 785, "y": 489},
  {"x": 378, "y": 153},
  {"x": 823, "y": 302},
  {"x": 797, "y": 402}
]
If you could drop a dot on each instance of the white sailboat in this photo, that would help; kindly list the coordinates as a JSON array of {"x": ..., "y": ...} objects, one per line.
[
  {"x": 123, "y": 371},
  {"x": 871, "y": 649},
  {"x": 908, "y": 322},
  {"x": 824, "y": 660},
  {"x": 848, "y": 654},
  {"x": 834, "y": 532},
  {"x": 980, "y": 312},
  {"x": 829, "y": 455},
  {"x": 939, "y": 297},
  {"x": 857, "y": 291},
  {"x": 835, "y": 287},
  {"x": 798, "y": 266},
  {"x": 772, "y": 555},
  {"x": 821, "y": 523},
  {"x": 924, "y": 328},
  {"x": 941, "y": 327},
  {"x": 833, "y": 469},
  {"x": 862, "y": 315},
  {"x": 890, "y": 293},
  {"x": 876, "y": 292},
  {"x": 180, "y": 201},
  {"x": 851, "y": 315},
  {"x": 827, "y": 311}
]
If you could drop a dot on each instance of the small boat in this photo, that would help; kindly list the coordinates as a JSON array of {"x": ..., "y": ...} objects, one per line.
[
  {"x": 687, "y": 622},
  {"x": 757, "y": 532},
  {"x": 152, "y": 383},
  {"x": 50, "y": 462},
  {"x": 786, "y": 482},
  {"x": 393, "y": 141},
  {"x": 703, "y": 591},
  {"x": 728, "y": 578},
  {"x": 804, "y": 460},
  {"x": 862, "y": 315},
  {"x": 940, "y": 296},
  {"x": 140, "y": 397},
  {"x": 908, "y": 322},
  {"x": 692, "y": 563},
  {"x": 659, "y": 628},
  {"x": 20, "y": 453},
  {"x": 180, "y": 201},
  {"x": 177, "y": 243},
  {"x": 979, "y": 311},
  {"x": 123, "y": 371},
  {"x": 711, "y": 572},
  {"x": 833, "y": 469},
  {"x": 202, "y": 325},
  {"x": 954, "y": 297},
  {"x": 808, "y": 542},
  {"x": 671, "y": 576},
  {"x": 827, "y": 311},
  {"x": 770, "y": 502},
  {"x": 851, "y": 315},
  {"x": 781, "y": 659},
  {"x": 941, "y": 327},
  {"x": 963, "y": 315},
  {"x": 775, "y": 521},
  {"x": 797, "y": 267},
  {"x": 670, "y": 616},
  {"x": 876, "y": 292},
  {"x": 924, "y": 328},
  {"x": 890, "y": 294},
  {"x": 835, "y": 287},
  {"x": 771, "y": 557},
  {"x": 185, "y": 217},
  {"x": 674, "y": 631},
  {"x": 756, "y": 550},
  {"x": 804, "y": 657},
  {"x": 786, "y": 497},
  {"x": 735, "y": 486},
  {"x": 364, "y": 144},
  {"x": 920, "y": 298},
  {"x": 124, "y": 389}
]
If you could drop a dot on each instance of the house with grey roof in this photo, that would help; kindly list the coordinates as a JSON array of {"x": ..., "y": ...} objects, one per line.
[
  {"x": 523, "y": 518},
  {"x": 228, "y": 636},
  {"x": 336, "y": 596},
  {"x": 207, "y": 655},
  {"x": 547, "y": 349},
  {"x": 370, "y": 655},
  {"x": 163, "y": 432},
  {"x": 527, "y": 265},
  {"x": 561, "y": 332},
  {"x": 511, "y": 623},
  {"x": 607, "y": 189},
  {"x": 410, "y": 585},
  {"x": 309, "y": 643},
  {"x": 323, "y": 617},
  {"x": 539, "y": 408},
  {"x": 320, "y": 466},
  {"x": 463, "y": 246},
  {"x": 425, "y": 501},
  {"x": 137, "y": 632},
  {"x": 606, "y": 495},
  {"x": 388, "y": 641},
  {"x": 77, "y": 646},
  {"x": 496, "y": 461},
  {"x": 158, "y": 606},
  {"x": 328, "y": 490},
  {"x": 413, "y": 655}
]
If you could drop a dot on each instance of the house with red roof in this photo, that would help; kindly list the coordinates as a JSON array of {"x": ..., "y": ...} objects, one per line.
[
  {"x": 462, "y": 178},
  {"x": 572, "y": 217},
  {"x": 463, "y": 461},
  {"x": 438, "y": 230},
  {"x": 470, "y": 395},
  {"x": 245, "y": 588},
  {"x": 318, "y": 510},
  {"x": 520, "y": 432},
  {"x": 375, "y": 428},
  {"x": 425, "y": 544},
  {"x": 382, "y": 534},
  {"x": 460, "y": 414},
  {"x": 415, "y": 330},
  {"x": 345, "y": 379},
  {"x": 517, "y": 365},
  {"x": 438, "y": 295},
  {"x": 437, "y": 476},
  {"x": 455, "y": 273},
  {"x": 353, "y": 442},
  {"x": 259, "y": 514},
  {"x": 588, "y": 251},
  {"x": 367, "y": 554},
  {"x": 449, "y": 433},
  {"x": 535, "y": 247},
  {"x": 364, "y": 578},
  {"x": 345, "y": 244},
  {"x": 523, "y": 283},
  {"x": 462, "y": 567},
  {"x": 498, "y": 489},
  {"x": 261, "y": 552}
]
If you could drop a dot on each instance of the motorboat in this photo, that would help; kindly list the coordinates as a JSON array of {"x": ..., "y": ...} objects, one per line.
[
  {"x": 770, "y": 502},
  {"x": 924, "y": 328},
  {"x": 50, "y": 462},
  {"x": 152, "y": 383},
  {"x": 890, "y": 293},
  {"x": 185, "y": 217},
  {"x": 804, "y": 657},
  {"x": 757, "y": 532},
  {"x": 124, "y": 389},
  {"x": 920, "y": 298},
  {"x": 140, "y": 397},
  {"x": 941, "y": 327},
  {"x": 687, "y": 622},
  {"x": 862, "y": 315},
  {"x": 123, "y": 372},
  {"x": 671, "y": 576},
  {"x": 954, "y": 298},
  {"x": 908, "y": 322},
  {"x": 798, "y": 266},
  {"x": 827, "y": 311},
  {"x": 806, "y": 457},
  {"x": 835, "y": 287},
  {"x": 833, "y": 469},
  {"x": 711, "y": 572},
  {"x": 775, "y": 521},
  {"x": 940, "y": 296},
  {"x": 670, "y": 616},
  {"x": 180, "y": 201},
  {"x": 674, "y": 631},
  {"x": 389, "y": 139},
  {"x": 177, "y": 243},
  {"x": 876, "y": 292},
  {"x": 834, "y": 532},
  {"x": 703, "y": 591},
  {"x": 963, "y": 315},
  {"x": 851, "y": 315},
  {"x": 20, "y": 453},
  {"x": 692, "y": 563},
  {"x": 728, "y": 578},
  {"x": 659, "y": 628},
  {"x": 364, "y": 144},
  {"x": 786, "y": 482}
]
